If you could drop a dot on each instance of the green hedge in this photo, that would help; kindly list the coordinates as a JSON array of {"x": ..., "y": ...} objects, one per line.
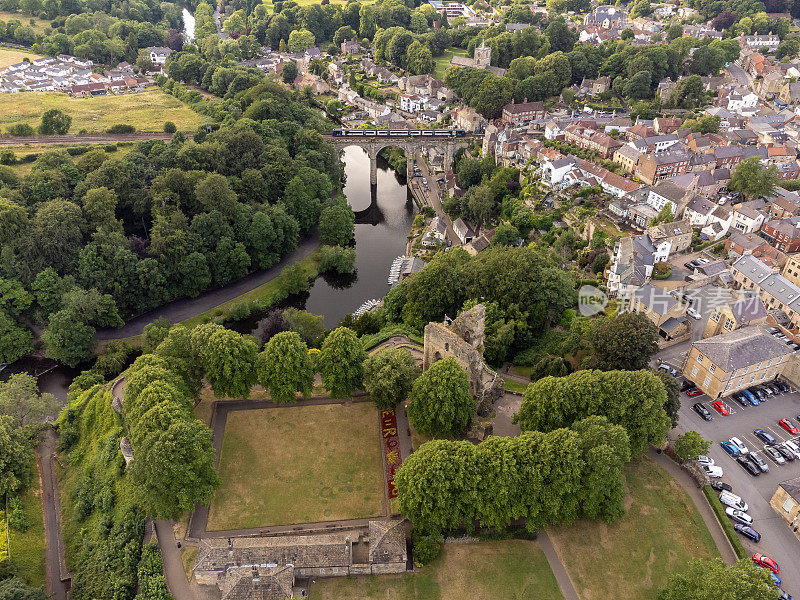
[
  {"x": 723, "y": 519},
  {"x": 373, "y": 339}
]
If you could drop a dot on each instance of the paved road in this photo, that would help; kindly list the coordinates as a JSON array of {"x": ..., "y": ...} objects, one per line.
[
  {"x": 52, "y": 521},
  {"x": 432, "y": 195},
  {"x": 177, "y": 584},
  {"x": 739, "y": 74},
  {"x": 97, "y": 138},
  {"x": 185, "y": 308},
  {"x": 218, "y": 22},
  {"x": 556, "y": 566}
]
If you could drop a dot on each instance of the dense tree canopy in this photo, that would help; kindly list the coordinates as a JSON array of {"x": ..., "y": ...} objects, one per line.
[
  {"x": 340, "y": 362},
  {"x": 285, "y": 367},
  {"x": 625, "y": 341},
  {"x": 633, "y": 399},
  {"x": 713, "y": 579},
  {"x": 389, "y": 375},
  {"x": 441, "y": 402}
]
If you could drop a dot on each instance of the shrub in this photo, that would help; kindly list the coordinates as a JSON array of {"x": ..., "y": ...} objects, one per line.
[
  {"x": 77, "y": 150},
  {"x": 426, "y": 547},
  {"x": 337, "y": 258},
  {"x": 17, "y": 519},
  {"x": 21, "y": 130},
  {"x": 113, "y": 359},
  {"x": 661, "y": 270},
  {"x": 169, "y": 127},
  {"x": 723, "y": 519},
  {"x": 121, "y": 128},
  {"x": 30, "y": 157},
  {"x": 110, "y": 147},
  {"x": 7, "y": 157}
]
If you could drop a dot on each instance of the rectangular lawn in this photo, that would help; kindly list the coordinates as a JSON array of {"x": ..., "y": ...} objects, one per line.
[
  {"x": 299, "y": 464},
  {"x": 632, "y": 558},
  {"x": 500, "y": 570},
  {"x": 27, "y": 549},
  {"x": 146, "y": 111}
]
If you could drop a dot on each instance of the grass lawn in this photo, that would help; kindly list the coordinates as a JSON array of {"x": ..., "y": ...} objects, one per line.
[
  {"x": 633, "y": 557},
  {"x": 299, "y": 464},
  {"x": 12, "y": 56},
  {"x": 442, "y": 62},
  {"x": 507, "y": 570},
  {"x": 27, "y": 549},
  {"x": 146, "y": 111},
  {"x": 512, "y": 385},
  {"x": 188, "y": 555},
  {"x": 38, "y": 25}
]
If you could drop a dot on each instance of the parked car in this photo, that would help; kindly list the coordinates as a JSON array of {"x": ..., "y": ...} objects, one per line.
[
  {"x": 739, "y": 516},
  {"x": 739, "y": 445},
  {"x": 741, "y": 398},
  {"x": 783, "y": 387},
  {"x": 693, "y": 313},
  {"x": 713, "y": 471},
  {"x": 706, "y": 460},
  {"x": 758, "y": 462},
  {"x": 721, "y": 486},
  {"x": 792, "y": 447},
  {"x": 784, "y": 451},
  {"x": 748, "y": 532},
  {"x": 424, "y": 181},
  {"x": 748, "y": 466},
  {"x": 702, "y": 261},
  {"x": 730, "y": 448},
  {"x": 721, "y": 407},
  {"x": 691, "y": 265},
  {"x": 694, "y": 392},
  {"x": 734, "y": 501},
  {"x": 764, "y": 436},
  {"x": 775, "y": 579},
  {"x": 788, "y": 426},
  {"x": 758, "y": 393},
  {"x": 702, "y": 411},
  {"x": 784, "y": 595},
  {"x": 773, "y": 453},
  {"x": 751, "y": 398},
  {"x": 765, "y": 561},
  {"x": 774, "y": 388},
  {"x": 687, "y": 385}
]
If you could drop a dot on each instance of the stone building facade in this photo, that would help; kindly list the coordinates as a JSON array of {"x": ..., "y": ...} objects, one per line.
[
  {"x": 463, "y": 339},
  {"x": 786, "y": 502}
]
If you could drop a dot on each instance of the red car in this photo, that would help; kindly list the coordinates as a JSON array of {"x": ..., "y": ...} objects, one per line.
[
  {"x": 765, "y": 561},
  {"x": 721, "y": 407},
  {"x": 694, "y": 392},
  {"x": 787, "y": 425}
]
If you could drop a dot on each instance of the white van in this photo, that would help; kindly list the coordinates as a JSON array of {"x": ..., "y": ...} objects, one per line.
[{"x": 732, "y": 500}]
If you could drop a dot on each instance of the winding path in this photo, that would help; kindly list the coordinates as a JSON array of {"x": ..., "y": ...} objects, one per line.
[
  {"x": 186, "y": 308},
  {"x": 55, "y": 566}
]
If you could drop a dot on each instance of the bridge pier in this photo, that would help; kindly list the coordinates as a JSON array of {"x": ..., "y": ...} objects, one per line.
[{"x": 373, "y": 168}]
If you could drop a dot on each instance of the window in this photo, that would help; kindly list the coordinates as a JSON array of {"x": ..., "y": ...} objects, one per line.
[
  {"x": 764, "y": 374},
  {"x": 712, "y": 368},
  {"x": 752, "y": 379},
  {"x": 694, "y": 371},
  {"x": 769, "y": 362},
  {"x": 727, "y": 387},
  {"x": 745, "y": 371},
  {"x": 700, "y": 358},
  {"x": 715, "y": 316},
  {"x": 707, "y": 381},
  {"x": 788, "y": 505},
  {"x": 728, "y": 324}
]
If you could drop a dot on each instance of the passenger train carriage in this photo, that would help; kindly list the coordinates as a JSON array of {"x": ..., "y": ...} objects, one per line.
[{"x": 399, "y": 132}]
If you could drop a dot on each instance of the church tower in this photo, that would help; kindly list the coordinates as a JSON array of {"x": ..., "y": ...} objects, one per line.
[{"x": 483, "y": 56}]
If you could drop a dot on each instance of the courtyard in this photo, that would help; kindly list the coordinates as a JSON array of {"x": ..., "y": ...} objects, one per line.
[{"x": 301, "y": 463}]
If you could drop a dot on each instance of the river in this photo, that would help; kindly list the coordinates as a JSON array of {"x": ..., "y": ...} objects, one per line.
[{"x": 383, "y": 223}]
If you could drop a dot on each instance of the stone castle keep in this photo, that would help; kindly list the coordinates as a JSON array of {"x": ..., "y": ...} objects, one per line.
[{"x": 463, "y": 339}]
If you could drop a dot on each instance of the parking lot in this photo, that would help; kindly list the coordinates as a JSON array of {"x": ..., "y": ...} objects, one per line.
[{"x": 777, "y": 540}]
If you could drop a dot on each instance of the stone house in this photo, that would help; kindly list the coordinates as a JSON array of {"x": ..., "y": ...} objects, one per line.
[
  {"x": 776, "y": 291},
  {"x": 654, "y": 167},
  {"x": 726, "y": 363},
  {"x": 784, "y": 234},
  {"x": 786, "y": 502},
  {"x": 662, "y": 309},
  {"x": 729, "y": 317}
]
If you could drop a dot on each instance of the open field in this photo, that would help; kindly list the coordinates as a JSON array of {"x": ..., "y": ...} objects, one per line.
[
  {"x": 27, "y": 549},
  {"x": 146, "y": 111},
  {"x": 38, "y": 25},
  {"x": 507, "y": 570},
  {"x": 442, "y": 62},
  {"x": 11, "y": 56},
  {"x": 512, "y": 385},
  {"x": 632, "y": 558},
  {"x": 299, "y": 464}
]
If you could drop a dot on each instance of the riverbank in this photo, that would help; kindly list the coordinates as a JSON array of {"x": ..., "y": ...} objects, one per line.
[{"x": 396, "y": 159}]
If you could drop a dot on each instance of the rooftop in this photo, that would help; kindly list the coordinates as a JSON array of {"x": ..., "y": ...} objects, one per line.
[{"x": 742, "y": 348}]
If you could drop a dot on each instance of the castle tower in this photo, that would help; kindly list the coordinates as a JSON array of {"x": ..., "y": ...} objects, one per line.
[{"x": 483, "y": 56}]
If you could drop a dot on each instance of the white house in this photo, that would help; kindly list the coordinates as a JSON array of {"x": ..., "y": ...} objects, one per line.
[{"x": 158, "y": 54}]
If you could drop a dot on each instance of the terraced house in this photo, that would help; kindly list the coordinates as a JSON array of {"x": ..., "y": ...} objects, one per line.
[
  {"x": 775, "y": 290},
  {"x": 729, "y": 362}
]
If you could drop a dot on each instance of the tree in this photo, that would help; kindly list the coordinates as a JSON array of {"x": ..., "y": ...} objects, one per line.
[
  {"x": 68, "y": 338},
  {"x": 440, "y": 402},
  {"x": 505, "y": 234},
  {"x": 300, "y": 40},
  {"x": 560, "y": 35},
  {"x": 633, "y": 399},
  {"x": 309, "y": 326},
  {"x": 229, "y": 361},
  {"x": 55, "y": 122},
  {"x": 419, "y": 59},
  {"x": 754, "y": 180},
  {"x": 664, "y": 215},
  {"x": 341, "y": 361},
  {"x": 285, "y": 367},
  {"x": 20, "y": 399},
  {"x": 673, "y": 403},
  {"x": 550, "y": 366},
  {"x": 337, "y": 224},
  {"x": 713, "y": 579},
  {"x": 15, "y": 471},
  {"x": 389, "y": 375},
  {"x": 289, "y": 71},
  {"x": 336, "y": 258},
  {"x": 690, "y": 445},
  {"x": 15, "y": 341},
  {"x": 214, "y": 193},
  {"x": 626, "y": 341},
  {"x": 481, "y": 203},
  {"x": 99, "y": 208},
  {"x": 674, "y": 32},
  {"x": 16, "y": 589},
  {"x": 175, "y": 469}
]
